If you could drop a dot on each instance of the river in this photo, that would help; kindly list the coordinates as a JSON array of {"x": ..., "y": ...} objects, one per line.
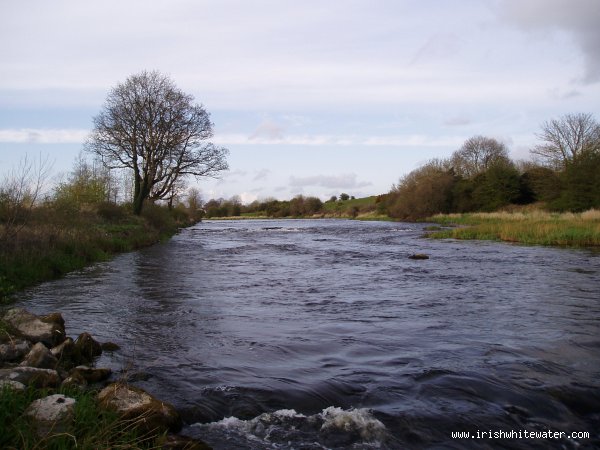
[{"x": 315, "y": 334}]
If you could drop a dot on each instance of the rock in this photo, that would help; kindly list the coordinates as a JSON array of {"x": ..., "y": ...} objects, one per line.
[
  {"x": 14, "y": 385},
  {"x": 75, "y": 380},
  {"x": 418, "y": 256},
  {"x": 32, "y": 376},
  {"x": 87, "y": 348},
  {"x": 89, "y": 374},
  {"x": 39, "y": 356},
  {"x": 50, "y": 330},
  {"x": 13, "y": 351},
  {"x": 110, "y": 346},
  {"x": 178, "y": 442},
  {"x": 64, "y": 350},
  {"x": 51, "y": 415},
  {"x": 150, "y": 415}
]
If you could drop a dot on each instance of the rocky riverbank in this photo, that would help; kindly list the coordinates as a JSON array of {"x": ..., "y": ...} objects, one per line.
[{"x": 38, "y": 360}]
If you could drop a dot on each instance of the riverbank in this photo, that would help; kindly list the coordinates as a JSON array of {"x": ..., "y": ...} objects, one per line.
[
  {"x": 534, "y": 227},
  {"x": 53, "y": 242}
]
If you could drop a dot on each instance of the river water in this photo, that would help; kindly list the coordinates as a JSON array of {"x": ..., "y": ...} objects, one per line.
[{"x": 314, "y": 334}]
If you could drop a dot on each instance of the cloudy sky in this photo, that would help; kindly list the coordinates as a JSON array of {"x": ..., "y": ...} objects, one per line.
[{"x": 313, "y": 97}]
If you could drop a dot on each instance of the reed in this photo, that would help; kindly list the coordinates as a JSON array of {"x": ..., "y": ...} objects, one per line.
[{"x": 528, "y": 227}]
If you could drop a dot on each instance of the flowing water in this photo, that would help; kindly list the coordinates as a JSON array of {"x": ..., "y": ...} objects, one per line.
[{"x": 313, "y": 334}]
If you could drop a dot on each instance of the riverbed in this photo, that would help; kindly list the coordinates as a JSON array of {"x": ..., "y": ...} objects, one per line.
[{"x": 314, "y": 334}]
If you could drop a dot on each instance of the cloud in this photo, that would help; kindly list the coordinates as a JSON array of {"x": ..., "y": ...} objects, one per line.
[
  {"x": 457, "y": 121},
  {"x": 268, "y": 130},
  {"x": 43, "y": 136},
  {"x": 577, "y": 17},
  {"x": 261, "y": 174},
  {"x": 343, "y": 181}
]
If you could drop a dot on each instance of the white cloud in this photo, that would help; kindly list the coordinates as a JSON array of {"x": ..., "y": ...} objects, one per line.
[
  {"x": 343, "y": 181},
  {"x": 580, "y": 18},
  {"x": 43, "y": 136},
  {"x": 269, "y": 130}
]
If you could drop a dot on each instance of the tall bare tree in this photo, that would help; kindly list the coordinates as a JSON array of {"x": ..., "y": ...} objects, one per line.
[
  {"x": 567, "y": 139},
  {"x": 150, "y": 126},
  {"x": 477, "y": 155}
]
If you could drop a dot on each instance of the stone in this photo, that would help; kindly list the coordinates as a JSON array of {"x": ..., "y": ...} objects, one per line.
[
  {"x": 110, "y": 347},
  {"x": 33, "y": 376},
  {"x": 148, "y": 414},
  {"x": 64, "y": 350},
  {"x": 50, "y": 330},
  {"x": 90, "y": 374},
  {"x": 14, "y": 350},
  {"x": 418, "y": 256},
  {"x": 75, "y": 380},
  {"x": 178, "y": 442},
  {"x": 86, "y": 347},
  {"x": 51, "y": 415},
  {"x": 14, "y": 385},
  {"x": 39, "y": 356}
]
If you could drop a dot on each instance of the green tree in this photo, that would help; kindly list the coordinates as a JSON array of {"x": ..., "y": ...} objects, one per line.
[{"x": 154, "y": 129}]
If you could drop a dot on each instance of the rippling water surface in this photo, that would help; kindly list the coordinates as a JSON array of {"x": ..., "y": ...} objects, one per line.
[{"x": 311, "y": 334}]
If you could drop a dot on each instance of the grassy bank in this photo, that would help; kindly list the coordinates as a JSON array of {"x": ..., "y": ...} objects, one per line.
[
  {"x": 53, "y": 242},
  {"x": 531, "y": 227},
  {"x": 93, "y": 427}
]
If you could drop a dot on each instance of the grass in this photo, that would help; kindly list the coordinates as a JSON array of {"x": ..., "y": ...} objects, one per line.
[
  {"x": 530, "y": 227},
  {"x": 93, "y": 427},
  {"x": 53, "y": 243}
]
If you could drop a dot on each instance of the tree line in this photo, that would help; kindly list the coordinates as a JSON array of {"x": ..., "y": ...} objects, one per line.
[{"x": 563, "y": 175}]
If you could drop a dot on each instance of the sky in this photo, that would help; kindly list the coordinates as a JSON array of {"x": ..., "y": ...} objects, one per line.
[{"x": 313, "y": 97}]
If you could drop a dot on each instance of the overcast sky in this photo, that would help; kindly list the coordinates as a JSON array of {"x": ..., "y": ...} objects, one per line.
[{"x": 312, "y": 97}]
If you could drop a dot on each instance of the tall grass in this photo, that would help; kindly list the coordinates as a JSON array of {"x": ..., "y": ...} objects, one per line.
[
  {"x": 93, "y": 428},
  {"x": 529, "y": 227},
  {"x": 54, "y": 241}
]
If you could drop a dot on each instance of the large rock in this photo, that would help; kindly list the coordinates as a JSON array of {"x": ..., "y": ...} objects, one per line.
[
  {"x": 90, "y": 374},
  {"x": 50, "y": 330},
  {"x": 86, "y": 348},
  {"x": 14, "y": 350},
  {"x": 39, "y": 356},
  {"x": 51, "y": 415},
  {"x": 32, "y": 376},
  {"x": 148, "y": 414},
  {"x": 178, "y": 442},
  {"x": 13, "y": 385},
  {"x": 64, "y": 350}
]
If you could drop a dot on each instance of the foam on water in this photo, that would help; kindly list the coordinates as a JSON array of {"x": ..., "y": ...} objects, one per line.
[{"x": 332, "y": 428}]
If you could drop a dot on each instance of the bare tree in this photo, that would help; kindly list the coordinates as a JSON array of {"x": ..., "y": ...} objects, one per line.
[
  {"x": 150, "y": 126},
  {"x": 477, "y": 155},
  {"x": 567, "y": 139},
  {"x": 19, "y": 192}
]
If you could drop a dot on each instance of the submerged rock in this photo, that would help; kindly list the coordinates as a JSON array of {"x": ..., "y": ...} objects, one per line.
[
  {"x": 418, "y": 256},
  {"x": 87, "y": 348},
  {"x": 39, "y": 356},
  {"x": 50, "y": 329},
  {"x": 177, "y": 442},
  {"x": 148, "y": 414},
  {"x": 52, "y": 414},
  {"x": 110, "y": 347}
]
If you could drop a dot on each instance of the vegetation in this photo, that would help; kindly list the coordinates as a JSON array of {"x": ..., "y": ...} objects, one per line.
[
  {"x": 527, "y": 227},
  {"x": 72, "y": 227},
  {"x": 153, "y": 129},
  {"x": 480, "y": 177},
  {"x": 93, "y": 427}
]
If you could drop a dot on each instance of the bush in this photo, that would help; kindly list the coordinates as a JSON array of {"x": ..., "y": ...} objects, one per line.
[
  {"x": 158, "y": 217},
  {"x": 111, "y": 211}
]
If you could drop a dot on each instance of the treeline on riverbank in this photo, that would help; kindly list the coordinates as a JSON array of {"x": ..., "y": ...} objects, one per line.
[
  {"x": 563, "y": 175},
  {"x": 72, "y": 225},
  {"x": 342, "y": 206}
]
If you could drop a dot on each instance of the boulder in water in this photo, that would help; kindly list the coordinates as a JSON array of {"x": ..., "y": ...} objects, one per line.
[
  {"x": 39, "y": 356},
  {"x": 86, "y": 348},
  {"x": 418, "y": 256},
  {"x": 147, "y": 413}
]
